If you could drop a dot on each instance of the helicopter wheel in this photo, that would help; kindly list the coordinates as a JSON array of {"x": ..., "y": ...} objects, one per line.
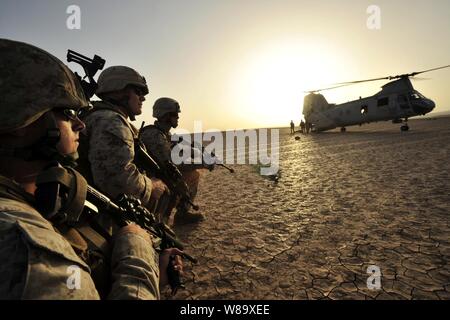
[
  {"x": 404, "y": 128},
  {"x": 343, "y": 129}
]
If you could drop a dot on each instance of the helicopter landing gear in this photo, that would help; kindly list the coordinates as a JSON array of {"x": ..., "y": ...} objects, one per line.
[
  {"x": 405, "y": 127},
  {"x": 343, "y": 129}
]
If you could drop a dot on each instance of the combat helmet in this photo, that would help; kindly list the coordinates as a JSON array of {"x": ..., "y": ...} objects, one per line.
[
  {"x": 32, "y": 82},
  {"x": 164, "y": 106},
  {"x": 119, "y": 77}
]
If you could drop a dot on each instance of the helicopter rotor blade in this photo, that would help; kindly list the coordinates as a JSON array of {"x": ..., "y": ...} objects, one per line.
[
  {"x": 412, "y": 74},
  {"x": 329, "y": 88},
  {"x": 419, "y": 72},
  {"x": 343, "y": 84},
  {"x": 420, "y": 79},
  {"x": 360, "y": 81}
]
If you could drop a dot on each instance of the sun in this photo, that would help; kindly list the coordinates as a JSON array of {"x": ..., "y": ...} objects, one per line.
[{"x": 272, "y": 83}]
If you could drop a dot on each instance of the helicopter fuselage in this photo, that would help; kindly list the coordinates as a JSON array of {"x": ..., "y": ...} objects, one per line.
[{"x": 397, "y": 99}]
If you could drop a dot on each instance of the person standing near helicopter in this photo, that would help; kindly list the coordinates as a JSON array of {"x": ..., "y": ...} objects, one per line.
[
  {"x": 307, "y": 126},
  {"x": 302, "y": 126}
]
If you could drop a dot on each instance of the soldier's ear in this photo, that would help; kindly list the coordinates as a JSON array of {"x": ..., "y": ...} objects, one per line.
[
  {"x": 128, "y": 91},
  {"x": 166, "y": 117}
]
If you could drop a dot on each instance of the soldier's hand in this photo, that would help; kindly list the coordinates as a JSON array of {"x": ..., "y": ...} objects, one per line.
[
  {"x": 158, "y": 188},
  {"x": 164, "y": 260}
]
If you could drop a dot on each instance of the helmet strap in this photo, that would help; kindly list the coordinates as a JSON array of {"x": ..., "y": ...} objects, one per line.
[
  {"x": 123, "y": 102},
  {"x": 44, "y": 148},
  {"x": 164, "y": 123},
  {"x": 60, "y": 194}
]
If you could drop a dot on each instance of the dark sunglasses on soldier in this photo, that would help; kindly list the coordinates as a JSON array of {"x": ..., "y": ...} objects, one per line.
[
  {"x": 139, "y": 91},
  {"x": 72, "y": 114},
  {"x": 173, "y": 114}
]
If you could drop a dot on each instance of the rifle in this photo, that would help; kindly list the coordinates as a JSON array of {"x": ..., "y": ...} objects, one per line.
[
  {"x": 217, "y": 161},
  {"x": 63, "y": 196},
  {"x": 129, "y": 209},
  {"x": 90, "y": 67},
  {"x": 212, "y": 155},
  {"x": 167, "y": 172}
]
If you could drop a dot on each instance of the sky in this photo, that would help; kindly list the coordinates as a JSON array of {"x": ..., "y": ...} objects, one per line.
[{"x": 235, "y": 64}]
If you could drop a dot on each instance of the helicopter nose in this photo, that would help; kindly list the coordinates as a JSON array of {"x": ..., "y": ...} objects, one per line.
[
  {"x": 430, "y": 104},
  {"x": 427, "y": 106},
  {"x": 423, "y": 106}
]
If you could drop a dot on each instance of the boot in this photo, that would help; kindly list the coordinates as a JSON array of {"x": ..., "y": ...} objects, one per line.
[{"x": 186, "y": 217}]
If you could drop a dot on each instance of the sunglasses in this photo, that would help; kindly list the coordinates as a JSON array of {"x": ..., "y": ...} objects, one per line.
[
  {"x": 72, "y": 114},
  {"x": 140, "y": 92},
  {"x": 173, "y": 114}
]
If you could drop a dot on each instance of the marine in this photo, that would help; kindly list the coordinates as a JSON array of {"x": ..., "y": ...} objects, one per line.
[
  {"x": 157, "y": 138},
  {"x": 107, "y": 144},
  {"x": 39, "y": 129}
]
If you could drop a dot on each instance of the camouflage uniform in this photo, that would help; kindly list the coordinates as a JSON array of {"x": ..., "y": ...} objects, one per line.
[
  {"x": 157, "y": 139},
  {"x": 110, "y": 139},
  {"x": 35, "y": 257}
]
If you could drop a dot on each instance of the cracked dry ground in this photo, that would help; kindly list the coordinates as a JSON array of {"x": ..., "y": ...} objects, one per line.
[{"x": 371, "y": 196}]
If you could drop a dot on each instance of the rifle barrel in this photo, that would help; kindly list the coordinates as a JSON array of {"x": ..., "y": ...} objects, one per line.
[{"x": 228, "y": 168}]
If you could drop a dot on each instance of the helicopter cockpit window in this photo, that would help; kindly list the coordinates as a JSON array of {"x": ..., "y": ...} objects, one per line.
[
  {"x": 416, "y": 95},
  {"x": 383, "y": 102}
]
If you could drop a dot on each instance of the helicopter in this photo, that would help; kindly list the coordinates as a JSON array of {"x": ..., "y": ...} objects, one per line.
[{"x": 397, "y": 101}]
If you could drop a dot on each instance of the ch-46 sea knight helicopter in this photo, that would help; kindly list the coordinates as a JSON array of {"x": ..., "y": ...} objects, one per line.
[{"x": 397, "y": 101}]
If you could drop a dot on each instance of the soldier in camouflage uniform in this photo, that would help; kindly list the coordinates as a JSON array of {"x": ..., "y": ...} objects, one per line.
[
  {"x": 40, "y": 101},
  {"x": 108, "y": 142},
  {"x": 157, "y": 138}
]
